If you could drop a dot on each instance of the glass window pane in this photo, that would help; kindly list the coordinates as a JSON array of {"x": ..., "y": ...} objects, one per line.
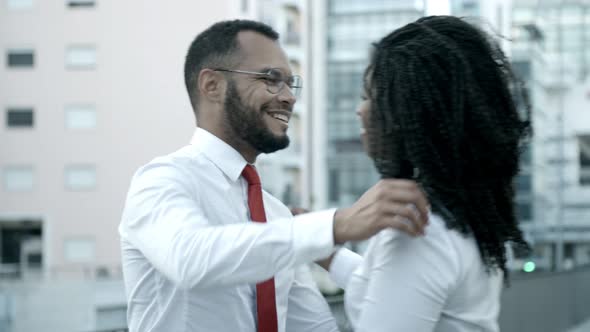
[
  {"x": 81, "y": 57},
  {"x": 80, "y": 117},
  {"x": 19, "y": 117},
  {"x": 79, "y": 250},
  {"x": 523, "y": 182},
  {"x": 524, "y": 211},
  {"x": 19, "y": 4},
  {"x": 584, "y": 143},
  {"x": 20, "y": 58},
  {"x": 80, "y": 3},
  {"x": 18, "y": 178},
  {"x": 80, "y": 177}
]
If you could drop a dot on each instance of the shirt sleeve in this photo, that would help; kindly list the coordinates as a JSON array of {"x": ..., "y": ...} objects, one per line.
[
  {"x": 343, "y": 265},
  {"x": 407, "y": 284},
  {"x": 307, "y": 308},
  {"x": 164, "y": 221}
]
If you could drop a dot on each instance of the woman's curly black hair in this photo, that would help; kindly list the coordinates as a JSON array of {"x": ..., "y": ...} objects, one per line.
[{"x": 444, "y": 111}]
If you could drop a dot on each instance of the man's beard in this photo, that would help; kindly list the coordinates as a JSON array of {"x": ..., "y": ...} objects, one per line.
[{"x": 249, "y": 125}]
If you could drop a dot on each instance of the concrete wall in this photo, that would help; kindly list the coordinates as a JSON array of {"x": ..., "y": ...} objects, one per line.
[
  {"x": 65, "y": 305},
  {"x": 551, "y": 302}
]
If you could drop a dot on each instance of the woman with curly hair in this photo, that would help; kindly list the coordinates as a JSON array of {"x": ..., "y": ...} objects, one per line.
[{"x": 440, "y": 106}]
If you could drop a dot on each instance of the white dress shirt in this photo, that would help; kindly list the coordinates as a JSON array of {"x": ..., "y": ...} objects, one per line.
[
  {"x": 433, "y": 283},
  {"x": 191, "y": 256}
]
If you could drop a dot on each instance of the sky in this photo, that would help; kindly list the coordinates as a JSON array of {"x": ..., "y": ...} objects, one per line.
[{"x": 438, "y": 7}]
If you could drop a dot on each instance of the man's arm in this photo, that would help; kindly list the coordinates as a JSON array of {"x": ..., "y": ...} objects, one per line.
[
  {"x": 307, "y": 308},
  {"x": 164, "y": 221}
]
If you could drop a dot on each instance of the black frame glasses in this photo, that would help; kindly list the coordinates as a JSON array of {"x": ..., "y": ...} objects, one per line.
[{"x": 274, "y": 79}]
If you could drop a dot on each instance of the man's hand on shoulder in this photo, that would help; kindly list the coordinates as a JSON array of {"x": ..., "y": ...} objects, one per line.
[{"x": 391, "y": 203}]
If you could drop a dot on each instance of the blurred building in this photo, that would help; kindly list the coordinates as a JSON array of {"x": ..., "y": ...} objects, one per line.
[
  {"x": 495, "y": 17},
  {"x": 285, "y": 172},
  {"x": 82, "y": 86},
  {"x": 342, "y": 31},
  {"x": 341, "y": 35},
  {"x": 551, "y": 50},
  {"x": 89, "y": 91}
]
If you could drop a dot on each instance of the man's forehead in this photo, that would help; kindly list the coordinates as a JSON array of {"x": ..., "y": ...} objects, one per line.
[{"x": 262, "y": 52}]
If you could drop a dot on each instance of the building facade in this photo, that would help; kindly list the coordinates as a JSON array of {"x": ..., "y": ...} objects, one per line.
[
  {"x": 552, "y": 49},
  {"x": 90, "y": 90},
  {"x": 342, "y": 33}
]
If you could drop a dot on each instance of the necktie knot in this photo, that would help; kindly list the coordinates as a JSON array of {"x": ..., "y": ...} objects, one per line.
[{"x": 249, "y": 173}]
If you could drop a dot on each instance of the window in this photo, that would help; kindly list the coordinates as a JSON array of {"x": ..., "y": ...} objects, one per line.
[
  {"x": 334, "y": 185},
  {"x": 20, "y": 58},
  {"x": 524, "y": 211},
  {"x": 81, "y": 57},
  {"x": 524, "y": 183},
  {"x": 79, "y": 250},
  {"x": 19, "y": 118},
  {"x": 522, "y": 68},
  {"x": 18, "y": 178},
  {"x": 584, "y": 143},
  {"x": 80, "y": 3},
  {"x": 293, "y": 19},
  {"x": 19, "y": 4},
  {"x": 469, "y": 5},
  {"x": 80, "y": 117},
  {"x": 21, "y": 248},
  {"x": 80, "y": 177}
]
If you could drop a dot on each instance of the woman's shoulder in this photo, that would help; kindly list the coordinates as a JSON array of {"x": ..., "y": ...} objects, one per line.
[
  {"x": 435, "y": 232},
  {"x": 440, "y": 249}
]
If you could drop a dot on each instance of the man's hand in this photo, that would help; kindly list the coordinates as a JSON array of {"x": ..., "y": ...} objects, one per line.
[
  {"x": 298, "y": 210},
  {"x": 391, "y": 203}
]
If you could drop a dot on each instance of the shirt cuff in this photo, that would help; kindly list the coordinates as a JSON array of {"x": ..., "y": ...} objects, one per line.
[
  {"x": 313, "y": 236},
  {"x": 343, "y": 265}
]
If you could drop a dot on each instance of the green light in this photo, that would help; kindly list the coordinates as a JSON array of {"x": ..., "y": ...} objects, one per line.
[{"x": 529, "y": 267}]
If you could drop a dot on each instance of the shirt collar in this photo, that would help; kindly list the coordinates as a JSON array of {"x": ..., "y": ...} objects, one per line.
[{"x": 225, "y": 157}]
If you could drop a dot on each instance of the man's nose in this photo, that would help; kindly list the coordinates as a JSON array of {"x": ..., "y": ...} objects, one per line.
[{"x": 287, "y": 96}]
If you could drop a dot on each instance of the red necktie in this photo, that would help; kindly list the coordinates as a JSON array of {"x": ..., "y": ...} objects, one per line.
[{"x": 265, "y": 291}]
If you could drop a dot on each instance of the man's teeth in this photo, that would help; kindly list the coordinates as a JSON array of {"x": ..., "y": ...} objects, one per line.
[{"x": 281, "y": 117}]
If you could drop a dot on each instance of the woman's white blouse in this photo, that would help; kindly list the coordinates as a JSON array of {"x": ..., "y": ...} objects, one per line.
[{"x": 433, "y": 283}]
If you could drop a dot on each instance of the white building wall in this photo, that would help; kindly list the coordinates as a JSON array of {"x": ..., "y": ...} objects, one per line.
[{"x": 137, "y": 88}]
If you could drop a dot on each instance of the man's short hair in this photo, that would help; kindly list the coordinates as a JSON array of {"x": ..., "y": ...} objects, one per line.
[{"x": 216, "y": 47}]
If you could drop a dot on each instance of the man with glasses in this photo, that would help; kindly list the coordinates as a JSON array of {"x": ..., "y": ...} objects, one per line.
[{"x": 203, "y": 247}]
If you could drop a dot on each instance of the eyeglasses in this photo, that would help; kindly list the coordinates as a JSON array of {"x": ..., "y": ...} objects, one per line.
[{"x": 274, "y": 79}]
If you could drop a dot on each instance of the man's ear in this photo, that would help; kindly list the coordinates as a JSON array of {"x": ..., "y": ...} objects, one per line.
[{"x": 211, "y": 85}]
